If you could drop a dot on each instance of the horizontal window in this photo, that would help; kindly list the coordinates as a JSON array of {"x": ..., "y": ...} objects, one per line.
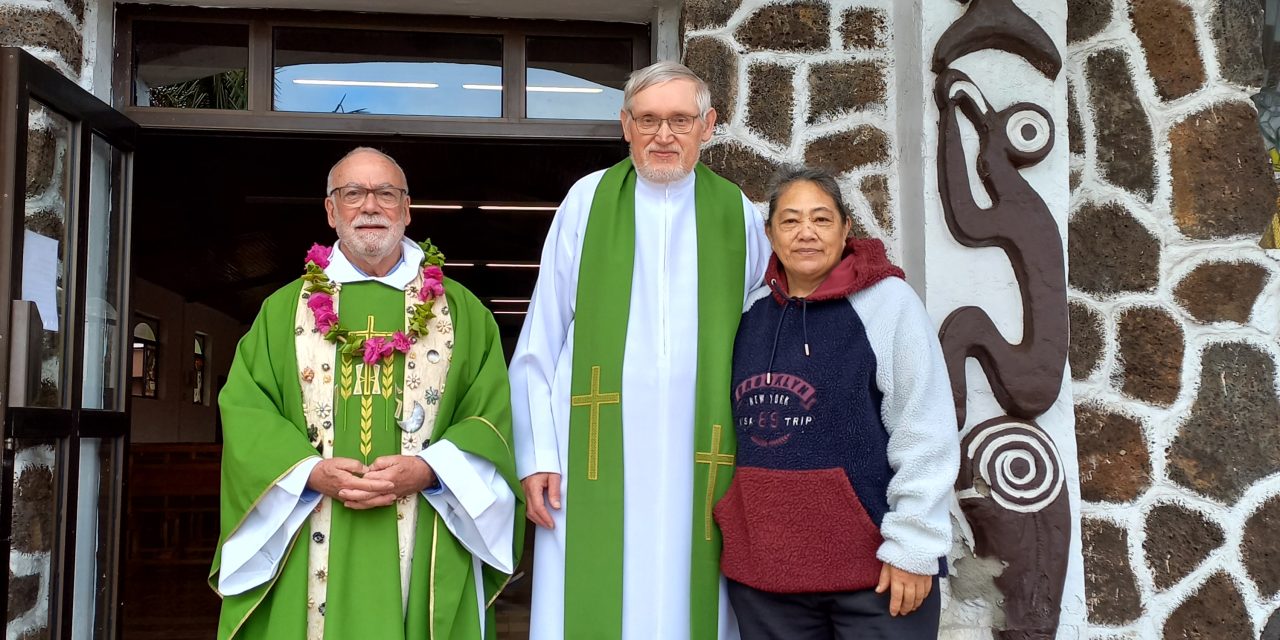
[
  {"x": 576, "y": 78},
  {"x": 388, "y": 72},
  {"x": 190, "y": 65}
]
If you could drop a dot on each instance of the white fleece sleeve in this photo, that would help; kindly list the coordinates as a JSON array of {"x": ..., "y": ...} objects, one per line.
[{"x": 918, "y": 414}]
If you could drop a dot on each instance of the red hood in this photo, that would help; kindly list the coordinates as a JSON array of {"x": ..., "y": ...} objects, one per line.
[{"x": 863, "y": 264}]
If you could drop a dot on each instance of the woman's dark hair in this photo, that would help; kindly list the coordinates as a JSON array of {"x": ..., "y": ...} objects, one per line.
[{"x": 823, "y": 179}]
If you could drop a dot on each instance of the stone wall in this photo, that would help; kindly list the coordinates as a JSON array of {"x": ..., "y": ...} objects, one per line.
[
  {"x": 1175, "y": 315},
  {"x": 53, "y": 31},
  {"x": 804, "y": 81}
]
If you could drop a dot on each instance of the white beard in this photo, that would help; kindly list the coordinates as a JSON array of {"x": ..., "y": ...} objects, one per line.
[
  {"x": 371, "y": 245},
  {"x": 659, "y": 175}
]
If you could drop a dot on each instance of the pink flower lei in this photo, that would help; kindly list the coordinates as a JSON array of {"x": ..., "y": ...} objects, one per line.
[{"x": 320, "y": 291}]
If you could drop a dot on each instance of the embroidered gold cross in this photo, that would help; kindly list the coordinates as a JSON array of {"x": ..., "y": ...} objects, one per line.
[
  {"x": 714, "y": 459},
  {"x": 368, "y": 387},
  {"x": 368, "y": 377},
  {"x": 594, "y": 400}
]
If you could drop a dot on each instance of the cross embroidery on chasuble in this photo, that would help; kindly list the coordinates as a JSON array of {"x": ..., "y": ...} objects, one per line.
[
  {"x": 714, "y": 460},
  {"x": 594, "y": 400},
  {"x": 374, "y": 379}
]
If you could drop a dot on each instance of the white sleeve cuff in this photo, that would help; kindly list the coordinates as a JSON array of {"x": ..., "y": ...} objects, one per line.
[
  {"x": 252, "y": 555},
  {"x": 476, "y": 505}
]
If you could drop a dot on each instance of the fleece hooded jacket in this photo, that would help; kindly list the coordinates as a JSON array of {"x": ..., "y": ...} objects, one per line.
[{"x": 847, "y": 442}]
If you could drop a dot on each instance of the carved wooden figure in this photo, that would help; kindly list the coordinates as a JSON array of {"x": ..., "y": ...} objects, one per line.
[{"x": 1011, "y": 485}]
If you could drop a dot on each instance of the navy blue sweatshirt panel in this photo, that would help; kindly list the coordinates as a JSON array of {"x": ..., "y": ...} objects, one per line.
[{"x": 815, "y": 411}]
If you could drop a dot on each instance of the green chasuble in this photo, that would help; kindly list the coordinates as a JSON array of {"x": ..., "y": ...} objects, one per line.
[{"x": 266, "y": 435}]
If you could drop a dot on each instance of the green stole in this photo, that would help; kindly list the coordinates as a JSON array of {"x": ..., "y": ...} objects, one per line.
[{"x": 594, "y": 533}]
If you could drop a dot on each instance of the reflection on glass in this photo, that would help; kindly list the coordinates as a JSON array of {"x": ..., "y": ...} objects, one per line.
[
  {"x": 576, "y": 78},
  {"x": 189, "y": 65},
  {"x": 34, "y": 522},
  {"x": 144, "y": 374},
  {"x": 95, "y": 539},
  {"x": 44, "y": 244},
  {"x": 102, "y": 285},
  {"x": 387, "y": 72},
  {"x": 197, "y": 370}
]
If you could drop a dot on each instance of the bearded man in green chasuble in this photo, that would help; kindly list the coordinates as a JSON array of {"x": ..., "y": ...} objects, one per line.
[{"x": 368, "y": 479}]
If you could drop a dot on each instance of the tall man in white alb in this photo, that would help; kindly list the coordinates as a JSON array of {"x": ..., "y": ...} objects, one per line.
[{"x": 620, "y": 381}]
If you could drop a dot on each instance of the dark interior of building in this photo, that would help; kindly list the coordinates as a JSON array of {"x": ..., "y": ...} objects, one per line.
[{"x": 224, "y": 219}]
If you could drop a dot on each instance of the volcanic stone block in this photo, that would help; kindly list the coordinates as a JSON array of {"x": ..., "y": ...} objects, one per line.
[
  {"x": 748, "y": 169},
  {"x": 46, "y": 28},
  {"x": 23, "y": 594},
  {"x": 875, "y": 188},
  {"x": 1087, "y": 342},
  {"x": 797, "y": 26},
  {"x": 1110, "y": 588},
  {"x": 1178, "y": 540},
  {"x": 1237, "y": 30},
  {"x": 1215, "y": 612},
  {"x": 839, "y": 87},
  {"x": 1261, "y": 547},
  {"x": 861, "y": 146},
  {"x": 1222, "y": 183},
  {"x": 1124, "y": 147},
  {"x": 1110, "y": 252},
  {"x": 1151, "y": 348},
  {"x": 863, "y": 28},
  {"x": 42, "y": 160},
  {"x": 1085, "y": 18},
  {"x": 1115, "y": 465},
  {"x": 1167, "y": 32},
  {"x": 771, "y": 101},
  {"x": 33, "y": 510},
  {"x": 707, "y": 14},
  {"x": 1221, "y": 291},
  {"x": 717, "y": 65},
  {"x": 1075, "y": 129},
  {"x": 1230, "y": 440}
]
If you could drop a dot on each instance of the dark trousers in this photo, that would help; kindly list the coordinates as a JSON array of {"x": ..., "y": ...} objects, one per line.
[{"x": 847, "y": 615}]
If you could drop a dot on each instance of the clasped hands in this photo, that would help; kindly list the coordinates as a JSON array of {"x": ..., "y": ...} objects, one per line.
[{"x": 380, "y": 484}]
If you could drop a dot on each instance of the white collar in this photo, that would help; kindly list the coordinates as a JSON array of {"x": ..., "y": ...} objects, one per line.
[{"x": 341, "y": 270}]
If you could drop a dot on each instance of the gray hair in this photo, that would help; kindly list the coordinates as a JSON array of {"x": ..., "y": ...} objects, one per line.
[
  {"x": 663, "y": 72},
  {"x": 821, "y": 178},
  {"x": 328, "y": 183}
]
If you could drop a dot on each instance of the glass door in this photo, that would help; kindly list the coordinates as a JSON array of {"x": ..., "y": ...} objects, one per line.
[{"x": 65, "y": 160}]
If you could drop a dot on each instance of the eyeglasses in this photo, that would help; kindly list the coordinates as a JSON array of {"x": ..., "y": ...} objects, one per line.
[
  {"x": 678, "y": 123},
  {"x": 353, "y": 196}
]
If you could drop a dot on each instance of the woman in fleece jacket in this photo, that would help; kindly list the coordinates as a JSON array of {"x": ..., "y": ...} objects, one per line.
[{"x": 837, "y": 523}]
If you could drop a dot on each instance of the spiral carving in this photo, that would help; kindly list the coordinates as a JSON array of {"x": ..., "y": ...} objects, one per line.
[{"x": 1018, "y": 462}]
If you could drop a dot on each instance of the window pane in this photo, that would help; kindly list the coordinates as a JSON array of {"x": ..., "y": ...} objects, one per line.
[
  {"x": 576, "y": 78},
  {"x": 46, "y": 244},
  {"x": 96, "y": 540},
  {"x": 388, "y": 72},
  {"x": 190, "y": 66},
  {"x": 102, "y": 312}
]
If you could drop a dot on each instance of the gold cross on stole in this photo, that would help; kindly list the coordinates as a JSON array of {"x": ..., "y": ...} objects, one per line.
[
  {"x": 594, "y": 400},
  {"x": 714, "y": 459}
]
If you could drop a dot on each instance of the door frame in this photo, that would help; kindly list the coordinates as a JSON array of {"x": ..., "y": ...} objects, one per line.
[{"x": 24, "y": 78}]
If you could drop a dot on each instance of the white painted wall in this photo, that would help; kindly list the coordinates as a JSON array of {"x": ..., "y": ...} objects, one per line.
[{"x": 172, "y": 417}]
